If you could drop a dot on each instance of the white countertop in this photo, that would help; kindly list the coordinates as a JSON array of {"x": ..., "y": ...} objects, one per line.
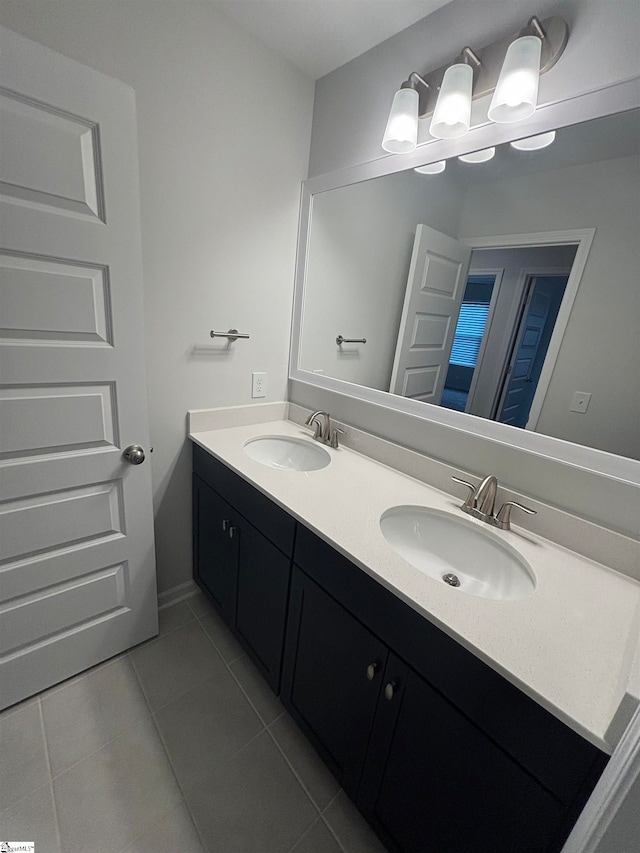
[{"x": 570, "y": 645}]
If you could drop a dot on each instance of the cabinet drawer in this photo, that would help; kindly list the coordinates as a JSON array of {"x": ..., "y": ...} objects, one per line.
[
  {"x": 556, "y": 756},
  {"x": 273, "y": 522}
]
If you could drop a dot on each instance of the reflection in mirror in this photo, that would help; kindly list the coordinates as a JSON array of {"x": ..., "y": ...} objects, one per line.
[{"x": 507, "y": 289}]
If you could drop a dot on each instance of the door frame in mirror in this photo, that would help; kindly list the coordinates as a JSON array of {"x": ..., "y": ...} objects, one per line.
[
  {"x": 600, "y": 103},
  {"x": 582, "y": 238}
]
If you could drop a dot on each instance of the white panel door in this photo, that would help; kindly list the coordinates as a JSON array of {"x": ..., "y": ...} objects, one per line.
[
  {"x": 435, "y": 287},
  {"x": 77, "y": 563}
]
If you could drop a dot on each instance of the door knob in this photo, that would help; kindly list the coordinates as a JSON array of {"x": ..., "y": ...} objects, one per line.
[{"x": 134, "y": 454}]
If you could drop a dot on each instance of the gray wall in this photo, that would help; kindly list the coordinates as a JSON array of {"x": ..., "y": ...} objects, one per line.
[
  {"x": 359, "y": 256},
  {"x": 220, "y": 173},
  {"x": 352, "y": 103},
  {"x": 350, "y": 112},
  {"x": 600, "y": 352}
]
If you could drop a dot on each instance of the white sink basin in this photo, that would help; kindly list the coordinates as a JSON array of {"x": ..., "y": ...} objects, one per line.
[
  {"x": 439, "y": 543},
  {"x": 288, "y": 454}
]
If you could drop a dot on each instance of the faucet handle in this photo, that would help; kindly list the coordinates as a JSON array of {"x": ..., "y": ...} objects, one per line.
[
  {"x": 503, "y": 518},
  {"x": 333, "y": 441},
  {"x": 471, "y": 497}
]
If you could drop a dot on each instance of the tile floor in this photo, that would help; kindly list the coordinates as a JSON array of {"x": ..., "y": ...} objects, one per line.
[{"x": 177, "y": 745}]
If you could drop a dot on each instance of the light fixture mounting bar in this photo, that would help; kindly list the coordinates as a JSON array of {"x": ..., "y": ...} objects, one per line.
[{"x": 554, "y": 33}]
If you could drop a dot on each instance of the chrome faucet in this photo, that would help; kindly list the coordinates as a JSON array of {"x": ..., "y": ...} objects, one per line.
[
  {"x": 486, "y": 496},
  {"x": 321, "y": 422},
  {"x": 481, "y": 501}
]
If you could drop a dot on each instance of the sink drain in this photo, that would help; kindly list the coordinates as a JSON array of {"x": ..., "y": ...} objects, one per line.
[{"x": 451, "y": 579}]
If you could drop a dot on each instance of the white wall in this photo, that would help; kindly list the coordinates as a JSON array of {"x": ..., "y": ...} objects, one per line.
[
  {"x": 223, "y": 126},
  {"x": 359, "y": 257},
  {"x": 600, "y": 352}
]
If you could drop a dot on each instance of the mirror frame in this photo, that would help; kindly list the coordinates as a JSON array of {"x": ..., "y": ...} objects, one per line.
[{"x": 600, "y": 103}]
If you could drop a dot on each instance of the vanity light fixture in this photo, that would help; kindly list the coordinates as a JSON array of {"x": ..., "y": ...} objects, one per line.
[
  {"x": 534, "y": 143},
  {"x": 478, "y": 156},
  {"x": 431, "y": 168},
  {"x": 516, "y": 94},
  {"x": 452, "y": 115},
  {"x": 509, "y": 69},
  {"x": 401, "y": 132}
]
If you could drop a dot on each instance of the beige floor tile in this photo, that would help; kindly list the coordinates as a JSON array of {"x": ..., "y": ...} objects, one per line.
[
  {"x": 199, "y": 604},
  {"x": 317, "y": 840},
  {"x": 174, "y": 617},
  {"x": 352, "y": 831},
  {"x": 206, "y": 727},
  {"x": 23, "y": 755},
  {"x": 173, "y": 664},
  {"x": 88, "y": 713},
  {"x": 222, "y": 638},
  {"x": 33, "y": 819},
  {"x": 174, "y": 833},
  {"x": 264, "y": 700},
  {"x": 252, "y": 803},
  {"x": 106, "y": 801},
  {"x": 321, "y": 784}
]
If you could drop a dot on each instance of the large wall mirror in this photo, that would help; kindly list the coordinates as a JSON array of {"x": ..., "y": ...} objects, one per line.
[{"x": 504, "y": 292}]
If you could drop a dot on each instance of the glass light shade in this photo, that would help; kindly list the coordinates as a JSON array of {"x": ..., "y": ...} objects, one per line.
[
  {"x": 478, "y": 156},
  {"x": 516, "y": 94},
  {"x": 401, "y": 132},
  {"x": 432, "y": 168},
  {"x": 452, "y": 115},
  {"x": 533, "y": 143}
]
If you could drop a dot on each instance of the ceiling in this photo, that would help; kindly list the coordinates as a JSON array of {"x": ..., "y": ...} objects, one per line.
[{"x": 319, "y": 36}]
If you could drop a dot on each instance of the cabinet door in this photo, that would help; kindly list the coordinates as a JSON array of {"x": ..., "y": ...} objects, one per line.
[
  {"x": 262, "y": 595},
  {"x": 434, "y": 783},
  {"x": 215, "y": 552},
  {"x": 331, "y": 679}
]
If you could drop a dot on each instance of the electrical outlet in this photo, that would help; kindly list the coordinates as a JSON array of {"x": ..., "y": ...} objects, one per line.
[
  {"x": 258, "y": 384},
  {"x": 580, "y": 402}
]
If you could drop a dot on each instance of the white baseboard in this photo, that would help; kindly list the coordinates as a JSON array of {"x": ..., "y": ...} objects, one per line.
[{"x": 176, "y": 594}]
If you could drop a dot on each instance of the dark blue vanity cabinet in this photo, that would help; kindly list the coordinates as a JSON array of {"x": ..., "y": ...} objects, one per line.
[
  {"x": 242, "y": 547},
  {"x": 440, "y": 753}
]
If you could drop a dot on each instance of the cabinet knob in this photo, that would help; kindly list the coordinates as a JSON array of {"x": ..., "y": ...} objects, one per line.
[
  {"x": 389, "y": 690},
  {"x": 225, "y": 524},
  {"x": 372, "y": 669},
  {"x": 232, "y": 532}
]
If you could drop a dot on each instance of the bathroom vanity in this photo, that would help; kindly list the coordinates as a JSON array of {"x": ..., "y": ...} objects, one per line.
[{"x": 454, "y": 722}]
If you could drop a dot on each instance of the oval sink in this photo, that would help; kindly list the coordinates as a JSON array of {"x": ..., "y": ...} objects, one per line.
[
  {"x": 444, "y": 546},
  {"x": 288, "y": 454}
]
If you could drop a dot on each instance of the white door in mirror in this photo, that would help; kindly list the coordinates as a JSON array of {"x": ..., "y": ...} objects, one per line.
[{"x": 435, "y": 287}]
